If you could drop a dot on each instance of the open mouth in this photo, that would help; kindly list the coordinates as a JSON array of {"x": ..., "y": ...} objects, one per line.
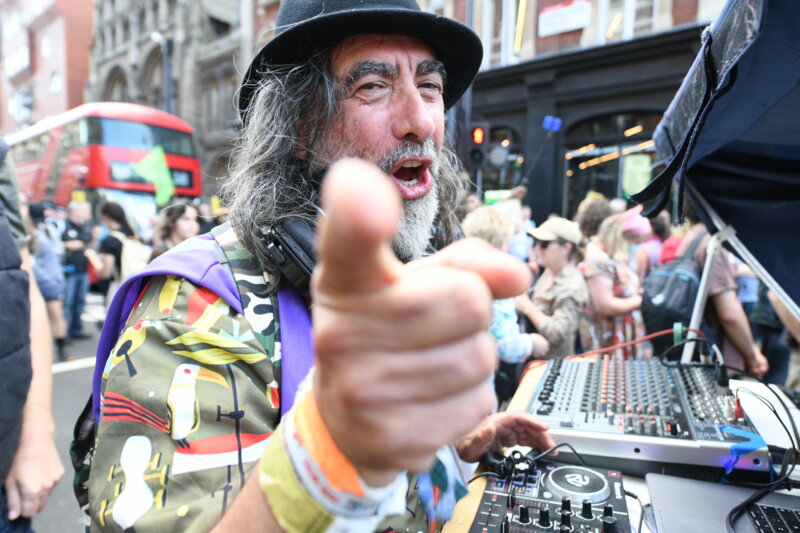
[{"x": 412, "y": 177}]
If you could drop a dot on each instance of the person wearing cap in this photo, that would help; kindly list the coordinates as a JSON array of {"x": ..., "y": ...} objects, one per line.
[
  {"x": 190, "y": 435},
  {"x": 560, "y": 295}
]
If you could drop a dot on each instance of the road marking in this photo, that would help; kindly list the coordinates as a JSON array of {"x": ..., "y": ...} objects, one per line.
[{"x": 77, "y": 364}]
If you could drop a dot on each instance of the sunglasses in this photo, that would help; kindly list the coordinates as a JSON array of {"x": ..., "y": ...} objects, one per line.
[{"x": 545, "y": 244}]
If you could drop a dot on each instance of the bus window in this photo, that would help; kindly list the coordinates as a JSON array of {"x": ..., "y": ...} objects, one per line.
[{"x": 137, "y": 135}]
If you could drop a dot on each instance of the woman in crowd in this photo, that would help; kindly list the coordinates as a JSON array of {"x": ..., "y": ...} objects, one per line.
[
  {"x": 612, "y": 316},
  {"x": 49, "y": 272},
  {"x": 560, "y": 294},
  {"x": 514, "y": 346},
  {"x": 176, "y": 223},
  {"x": 112, "y": 215}
]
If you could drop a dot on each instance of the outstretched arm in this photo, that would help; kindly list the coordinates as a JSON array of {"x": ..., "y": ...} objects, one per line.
[
  {"x": 403, "y": 351},
  {"x": 36, "y": 467}
]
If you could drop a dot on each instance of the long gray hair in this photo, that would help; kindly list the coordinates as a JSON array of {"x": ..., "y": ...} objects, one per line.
[{"x": 275, "y": 170}]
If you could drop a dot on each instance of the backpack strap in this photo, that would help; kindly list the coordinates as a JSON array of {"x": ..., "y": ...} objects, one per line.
[
  {"x": 294, "y": 319},
  {"x": 196, "y": 259},
  {"x": 693, "y": 247},
  {"x": 218, "y": 262}
]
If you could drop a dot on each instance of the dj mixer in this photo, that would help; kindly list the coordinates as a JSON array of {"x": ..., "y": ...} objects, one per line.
[
  {"x": 554, "y": 497},
  {"x": 640, "y": 416}
]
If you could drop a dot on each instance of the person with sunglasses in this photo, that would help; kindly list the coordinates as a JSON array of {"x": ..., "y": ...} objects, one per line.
[{"x": 559, "y": 296}]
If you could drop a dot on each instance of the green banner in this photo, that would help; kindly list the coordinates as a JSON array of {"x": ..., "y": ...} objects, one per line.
[{"x": 153, "y": 167}]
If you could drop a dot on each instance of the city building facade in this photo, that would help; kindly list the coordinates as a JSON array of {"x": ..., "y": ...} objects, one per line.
[
  {"x": 604, "y": 70},
  {"x": 44, "y": 58},
  {"x": 181, "y": 56}
]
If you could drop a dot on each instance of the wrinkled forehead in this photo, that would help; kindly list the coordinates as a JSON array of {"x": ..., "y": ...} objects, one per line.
[{"x": 395, "y": 50}]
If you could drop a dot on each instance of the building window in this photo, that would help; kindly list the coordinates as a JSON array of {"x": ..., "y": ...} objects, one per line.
[
  {"x": 56, "y": 83},
  {"x": 46, "y": 47},
  {"x": 611, "y": 155},
  {"x": 621, "y": 20}
]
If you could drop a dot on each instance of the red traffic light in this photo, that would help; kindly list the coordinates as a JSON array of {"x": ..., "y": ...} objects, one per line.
[{"x": 478, "y": 135}]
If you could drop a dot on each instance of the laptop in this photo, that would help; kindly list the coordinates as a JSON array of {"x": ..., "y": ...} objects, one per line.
[{"x": 685, "y": 505}]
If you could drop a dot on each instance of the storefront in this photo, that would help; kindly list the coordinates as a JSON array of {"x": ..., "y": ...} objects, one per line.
[{"x": 609, "y": 100}]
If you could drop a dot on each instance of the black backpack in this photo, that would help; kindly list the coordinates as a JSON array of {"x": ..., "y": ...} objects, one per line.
[{"x": 669, "y": 294}]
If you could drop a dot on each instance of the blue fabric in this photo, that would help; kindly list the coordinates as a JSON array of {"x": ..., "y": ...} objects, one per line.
[
  {"x": 773, "y": 345},
  {"x": 75, "y": 289},
  {"x": 512, "y": 345},
  {"x": 20, "y": 525}
]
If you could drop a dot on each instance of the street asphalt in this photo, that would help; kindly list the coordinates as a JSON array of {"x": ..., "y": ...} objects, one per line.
[{"x": 72, "y": 384}]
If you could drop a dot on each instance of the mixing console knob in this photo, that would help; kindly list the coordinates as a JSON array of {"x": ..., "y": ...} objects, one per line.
[
  {"x": 505, "y": 525},
  {"x": 586, "y": 511},
  {"x": 566, "y": 505},
  {"x": 511, "y": 499},
  {"x": 608, "y": 510},
  {"x": 610, "y": 525},
  {"x": 566, "y": 518},
  {"x": 524, "y": 516},
  {"x": 544, "y": 517}
]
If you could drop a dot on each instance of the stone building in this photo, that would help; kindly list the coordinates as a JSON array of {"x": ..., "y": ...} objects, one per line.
[
  {"x": 196, "y": 44},
  {"x": 606, "y": 68}
]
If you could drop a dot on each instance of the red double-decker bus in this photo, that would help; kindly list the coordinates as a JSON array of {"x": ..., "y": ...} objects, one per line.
[{"x": 94, "y": 148}]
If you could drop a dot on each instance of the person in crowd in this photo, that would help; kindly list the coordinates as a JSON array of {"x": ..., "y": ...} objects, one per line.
[
  {"x": 176, "y": 223},
  {"x": 747, "y": 287},
  {"x": 112, "y": 215},
  {"x": 730, "y": 328},
  {"x": 617, "y": 205},
  {"x": 402, "y": 351},
  {"x": 205, "y": 216},
  {"x": 514, "y": 346},
  {"x": 770, "y": 336},
  {"x": 76, "y": 236},
  {"x": 612, "y": 316},
  {"x": 560, "y": 295},
  {"x": 591, "y": 215},
  {"x": 29, "y": 462},
  {"x": 661, "y": 231},
  {"x": 636, "y": 229},
  {"x": 469, "y": 202},
  {"x": 49, "y": 271},
  {"x": 520, "y": 244}
]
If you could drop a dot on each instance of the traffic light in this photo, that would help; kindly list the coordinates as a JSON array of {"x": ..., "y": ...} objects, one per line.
[{"x": 479, "y": 137}]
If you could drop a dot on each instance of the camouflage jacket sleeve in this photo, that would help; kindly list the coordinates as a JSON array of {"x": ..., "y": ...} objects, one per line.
[{"x": 189, "y": 399}]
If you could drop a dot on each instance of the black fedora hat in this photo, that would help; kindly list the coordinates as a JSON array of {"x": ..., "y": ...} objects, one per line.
[{"x": 304, "y": 26}]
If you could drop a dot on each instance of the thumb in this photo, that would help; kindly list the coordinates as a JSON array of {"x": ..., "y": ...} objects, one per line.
[
  {"x": 13, "y": 500},
  {"x": 362, "y": 208}
]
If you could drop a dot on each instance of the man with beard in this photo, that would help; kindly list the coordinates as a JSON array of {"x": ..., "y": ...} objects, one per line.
[{"x": 197, "y": 387}]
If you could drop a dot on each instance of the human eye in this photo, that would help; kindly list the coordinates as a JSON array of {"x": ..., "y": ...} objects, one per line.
[{"x": 431, "y": 87}]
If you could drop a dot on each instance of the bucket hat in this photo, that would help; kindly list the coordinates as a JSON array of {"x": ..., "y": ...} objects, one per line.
[
  {"x": 304, "y": 26},
  {"x": 557, "y": 228}
]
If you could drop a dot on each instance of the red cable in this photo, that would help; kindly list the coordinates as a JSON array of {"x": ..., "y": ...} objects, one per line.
[{"x": 618, "y": 346}]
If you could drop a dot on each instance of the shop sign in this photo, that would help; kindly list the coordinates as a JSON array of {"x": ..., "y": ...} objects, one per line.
[{"x": 564, "y": 16}]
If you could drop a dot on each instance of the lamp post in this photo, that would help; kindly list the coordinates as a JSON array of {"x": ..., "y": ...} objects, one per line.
[{"x": 166, "y": 54}]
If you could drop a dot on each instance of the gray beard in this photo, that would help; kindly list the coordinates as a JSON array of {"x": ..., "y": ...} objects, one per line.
[
  {"x": 414, "y": 227},
  {"x": 419, "y": 214}
]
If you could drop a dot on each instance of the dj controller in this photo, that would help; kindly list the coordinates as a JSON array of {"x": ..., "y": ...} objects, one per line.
[
  {"x": 641, "y": 416},
  {"x": 554, "y": 497}
]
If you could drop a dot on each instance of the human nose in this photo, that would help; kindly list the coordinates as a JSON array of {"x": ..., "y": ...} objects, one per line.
[{"x": 414, "y": 116}]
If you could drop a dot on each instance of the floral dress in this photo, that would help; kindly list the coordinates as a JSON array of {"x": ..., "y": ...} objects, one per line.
[{"x": 600, "y": 331}]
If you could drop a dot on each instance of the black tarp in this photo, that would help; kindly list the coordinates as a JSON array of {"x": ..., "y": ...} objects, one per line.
[{"x": 732, "y": 133}]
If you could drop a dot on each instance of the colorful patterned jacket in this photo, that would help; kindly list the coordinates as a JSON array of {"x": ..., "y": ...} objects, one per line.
[{"x": 188, "y": 388}]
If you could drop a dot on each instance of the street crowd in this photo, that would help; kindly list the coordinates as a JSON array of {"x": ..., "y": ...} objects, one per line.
[{"x": 222, "y": 400}]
